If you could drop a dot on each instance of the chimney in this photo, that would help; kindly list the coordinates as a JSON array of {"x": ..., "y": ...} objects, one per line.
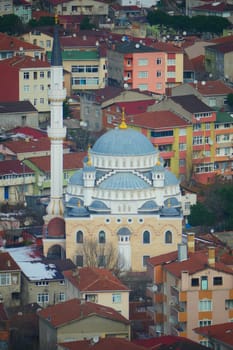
[
  {"x": 211, "y": 256},
  {"x": 191, "y": 242},
  {"x": 182, "y": 252}
]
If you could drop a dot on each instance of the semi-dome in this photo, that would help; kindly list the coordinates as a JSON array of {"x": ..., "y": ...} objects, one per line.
[{"x": 123, "y": 142}]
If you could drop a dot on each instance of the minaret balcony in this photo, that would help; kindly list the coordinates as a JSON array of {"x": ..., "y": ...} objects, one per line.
[
  {"x": 57, "y": 94},
  {"x": 56, "y": 133}
]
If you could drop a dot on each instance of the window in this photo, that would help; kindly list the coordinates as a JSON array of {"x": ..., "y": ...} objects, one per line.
[
  {"x": 158, "y": 60},
  {"x": 34, "y": 75},
  {"x": 41, "y": 87},
  {"x": 42, "y": 283},
  {"x": 145, "y": 258},
  {"x": 171, "y": 62},
  {"x": 196, "y": 127},
  {"x": 161, "y": 133},
  {"x": 42, "y": 298},
  {"x": 204, "y": 282},
  {"x": 41, "y": 74},
  {"x": 228, "y": 304},
  {"x": 79, "y": 237},
  {"x": 205, "y": 305},
  {"x": 26, "y": 88},
  {"x": 5, "y": 279},
  {"x": 182, "y": 162},
  {"x": 61, "y": 296},
  {"x": 41, "y": 100},
  {"x": 48, "y": 74},
  {"x": 217, "y": 281},
  {"x": 159, "y": 86},
  {"x": 204, "y": 323},
  {"x": 143, "y": 87},
  {"x": 26, "y": 75},
  {"x": 146, "y": 237},
  {"x": 48, "y": 44},
  {"x": 158, "y": 73},
  {"x": 116, "y": 298},
  {"x": 101, "y": 261},
  {"x": 143, "y": 62},
  {"x": 168, "y": 237},
  {"x": 79, "y": 260},
  {"x": 182, "y": 132},
  {"x": 35, "y": 101},
  {"x": 182, "y": 146},
  {"x": 171, "y": 74},
  {"x": 197, "y": 140},
  {"x": 142, "y": 74},
  {"x": 195, "y": 282},
  {"x": 92, "y": 298},
  {"x": 207, "y": 126},
  {"x": 102, "y": 238}
]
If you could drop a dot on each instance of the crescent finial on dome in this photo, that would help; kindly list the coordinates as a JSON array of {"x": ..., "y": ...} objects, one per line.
[{"x": 123, "y": 124}]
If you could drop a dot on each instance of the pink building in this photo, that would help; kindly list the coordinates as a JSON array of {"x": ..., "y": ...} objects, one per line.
[{"x": 190, "y": 289}]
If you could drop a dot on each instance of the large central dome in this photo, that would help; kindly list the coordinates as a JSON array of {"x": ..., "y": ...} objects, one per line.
[{"x": 119, "y": 142}]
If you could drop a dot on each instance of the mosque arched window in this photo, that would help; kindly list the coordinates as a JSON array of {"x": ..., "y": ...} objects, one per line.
[
  {"x": 146, "y": 237},
  {"x": 102, "y": 238},
  {"x": 79, "y": 237},
  {"x": 168, "y": 237}
]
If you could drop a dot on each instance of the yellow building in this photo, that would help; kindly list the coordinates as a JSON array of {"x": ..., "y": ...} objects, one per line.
[{"x": 123, "y": 197}]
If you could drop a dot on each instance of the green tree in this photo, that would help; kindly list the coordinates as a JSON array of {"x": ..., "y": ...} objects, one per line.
[
  {"x": 86, "y": 24},
  {"x": 66, "y": 110},
  {"x": 11, "y": 24},
  {"x": 200, "y": 216},
  {"x": 42, "y": 22},
  {"x": 230, "y": 100}
]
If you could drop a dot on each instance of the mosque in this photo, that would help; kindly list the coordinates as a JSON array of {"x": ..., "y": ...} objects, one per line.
[{"x": 123, "y": 197}]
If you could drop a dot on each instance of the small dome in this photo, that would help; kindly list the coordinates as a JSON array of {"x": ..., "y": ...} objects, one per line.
[
  {"x": 172, "y": 202},
  {"x": 123, "y": 142},
  {"x": 169, "y": 212},
  {"x": 124, "y": 231},
  {"x": 78, "y": 212},
  {"x": 74, "y": 202},
  {"x": 149, "y": 206},
  {"x": 170, "y": 178},
  {"x": 99, "y": 206},
  {"x": 77, "y": 178}
]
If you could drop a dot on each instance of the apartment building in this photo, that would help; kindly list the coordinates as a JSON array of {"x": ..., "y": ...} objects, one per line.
[
  {"x": 133, "y": 65},
  {"x": 190, "y": 289},
  {"x": 11, "y": 46},
  {"x": 224, "y": 145},
  {"x": 98, "y": 285},
  {"x": 6, "y": 7},
  {"x": 27, "y": 79},
  {"x": 76, "y": 7},
  {"x": 10, "y": 280}
]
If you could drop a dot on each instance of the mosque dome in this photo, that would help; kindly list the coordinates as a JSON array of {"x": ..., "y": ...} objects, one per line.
[{"x": 123, "y": 142}]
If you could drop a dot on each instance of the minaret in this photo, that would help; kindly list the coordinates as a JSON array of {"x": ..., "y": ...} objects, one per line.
[{"x": 56, "y": 131}]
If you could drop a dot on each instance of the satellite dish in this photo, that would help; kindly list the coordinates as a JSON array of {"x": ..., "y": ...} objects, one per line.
[
  {"x": 126, "y": 86},
  {"x": 95, "y": 339},
  {"x": 154, "y": 288}
]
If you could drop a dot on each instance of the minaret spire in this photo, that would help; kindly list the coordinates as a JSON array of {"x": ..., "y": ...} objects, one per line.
[
  {"x": 123, "y": 124},
  {"x": 56, "y": 131}
]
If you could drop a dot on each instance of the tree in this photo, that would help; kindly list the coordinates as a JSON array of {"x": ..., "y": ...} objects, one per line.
[
  {"x": 11, "y": 24},
  {"x": 66, "y": 109},
  {"x": 230, "y": 100},
  {"x": 86, "y": 24},
  {"x": 200, "y": 216},
  {"x": 97, "y": 254}
]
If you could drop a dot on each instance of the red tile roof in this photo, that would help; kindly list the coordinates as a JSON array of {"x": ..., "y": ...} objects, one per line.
[
  {"x": 75, "y": 310},
  {"x": 215, "y": 6},
  {"x": 94, "y": 279},
  {"x": 196, "y": 262},
  {"x": 10, "y": 43},
  {"x": 223, "y": 39},
  {"x": 71, "y": 161},
  {"x": 112, "y": 343},
  {"x": 7, "y": 263},
  {"x": 163, "y": 259},
  {"x": 221, "y": 332},
  {"x": 9, "y": 75},
  {"x": 157, "y": 120},
  {"x": 135, "y": 108},
  {"x": 11, "y": 167},
  {"x": 28, "y": 131},
  {"x": 23, "y": 146},
  {"x": 20, "y": 62},
  {"x": 212, "y": 87}
]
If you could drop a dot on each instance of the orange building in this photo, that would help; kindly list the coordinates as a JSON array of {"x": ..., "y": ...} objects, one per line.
[{"x": 190, "y": 289}]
